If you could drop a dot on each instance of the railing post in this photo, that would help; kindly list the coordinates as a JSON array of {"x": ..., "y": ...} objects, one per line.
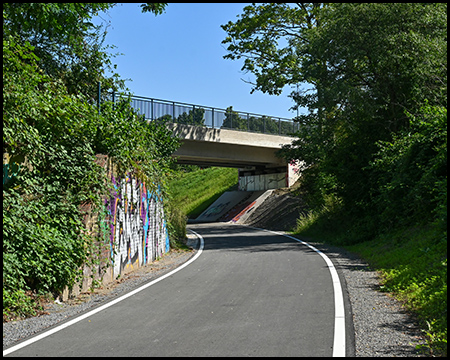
[
  {"x": 173, "y": 111},
  {"x": 212, "y": 120},
  {"x": 248, "y": 122},
  {"x": 231, "y": 119},
  {"x": 99, "y": 96},
  {"x": 279, "y": 126},
  {"x": 151, "y": 109}
]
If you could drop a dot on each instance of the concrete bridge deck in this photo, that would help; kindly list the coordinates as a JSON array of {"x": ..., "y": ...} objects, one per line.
[
  {"x": 254, "y": 154},
  {"x": 229, "y": 148}
]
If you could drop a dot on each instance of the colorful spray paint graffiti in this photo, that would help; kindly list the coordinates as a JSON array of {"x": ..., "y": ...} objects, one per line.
[
  {"x": 248, "y": 208},
  {"x": 138, "y": 228},
  {"x": 215, "y": 210}
]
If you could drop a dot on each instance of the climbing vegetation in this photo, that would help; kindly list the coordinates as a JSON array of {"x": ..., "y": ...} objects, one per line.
[{"x": 52, "y": 132}]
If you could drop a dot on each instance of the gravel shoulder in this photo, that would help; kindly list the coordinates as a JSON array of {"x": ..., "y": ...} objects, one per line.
[
  {"x": 381, "y": 324},
  {"x": 382, "y": 327}
]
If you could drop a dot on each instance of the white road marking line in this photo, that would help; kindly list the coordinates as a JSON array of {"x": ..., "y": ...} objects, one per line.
[
  {"x": 339, "y": 311},
  {"x": 103, "y": 307},
  {"x": 339, "y": 323}
]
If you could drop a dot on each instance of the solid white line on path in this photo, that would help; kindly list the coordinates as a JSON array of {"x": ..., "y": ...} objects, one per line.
[
  {"x": 107, "y": 305},
  {"x": 339, "y": 313}
]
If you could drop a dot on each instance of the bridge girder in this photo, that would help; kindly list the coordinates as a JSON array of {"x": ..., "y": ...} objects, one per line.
[
  {"x": 252, "y": 153},
  {"x": 231, "y": 148}
]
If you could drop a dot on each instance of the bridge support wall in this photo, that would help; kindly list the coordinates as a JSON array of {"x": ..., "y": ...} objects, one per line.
[
  {"x": 267, "y": 179},
  {"x": 262, "y": 182}
]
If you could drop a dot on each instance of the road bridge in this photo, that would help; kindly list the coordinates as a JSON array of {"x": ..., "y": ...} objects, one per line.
[
  {"x": 252, "y": 153},
  {"x": 224, "y": 137}
]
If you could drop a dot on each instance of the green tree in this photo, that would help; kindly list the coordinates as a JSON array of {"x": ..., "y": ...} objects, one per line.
[
  {"x": 411, "y": 172},
  {"x": 256, "y": 36},
  {"x": 366, "y": 65},
  {"x": 156, "y": 8},
  {"x": 375, "y": 135},
  {"x": 260, "y": 124},
  {"x": 194, "y": 117},
  {"x": 69, "y": 46},
  {"x": 54, "y": 132},
  {"x": 233, "y": 120},
  {"x": 50, "y": 133}
]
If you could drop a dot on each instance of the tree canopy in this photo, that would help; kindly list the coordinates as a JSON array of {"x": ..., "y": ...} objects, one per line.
[
  {"x": 53, "y": 58},
  {"x": 370, "y": 66},
  {"x": 68, "y": 45}
]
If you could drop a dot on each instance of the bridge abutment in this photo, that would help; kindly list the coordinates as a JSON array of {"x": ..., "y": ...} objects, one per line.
[{"x": 257, "y": 179}]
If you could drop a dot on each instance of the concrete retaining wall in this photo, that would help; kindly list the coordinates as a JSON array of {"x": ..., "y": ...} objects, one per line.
[
  {"x": 222, "y": 205},
  {"x": 262, "y": 182}
]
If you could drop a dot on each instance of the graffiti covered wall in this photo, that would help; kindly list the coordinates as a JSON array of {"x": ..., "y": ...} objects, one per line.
[
  {"x": 132, "y": 230},
  {"x": 138, "y": 232},
  {"x": 262, "y": 182}
]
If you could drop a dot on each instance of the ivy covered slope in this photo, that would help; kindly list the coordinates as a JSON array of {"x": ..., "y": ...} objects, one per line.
[{"x": 52, "y": 129}]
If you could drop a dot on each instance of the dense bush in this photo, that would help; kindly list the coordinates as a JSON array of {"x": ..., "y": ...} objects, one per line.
[
  {"x": 53, "y": 134},
  {"x": 49, "y": 133},
  {"x": 411, "y": 172}
]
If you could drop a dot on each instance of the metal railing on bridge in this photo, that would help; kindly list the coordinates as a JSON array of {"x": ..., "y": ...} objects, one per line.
[{"x": 178, "y": 112}]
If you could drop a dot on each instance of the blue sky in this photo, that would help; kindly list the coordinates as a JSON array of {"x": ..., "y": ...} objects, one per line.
[{"x": 178, "y": 56}]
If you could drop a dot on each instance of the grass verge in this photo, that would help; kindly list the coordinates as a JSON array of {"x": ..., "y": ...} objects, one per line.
[
  {"x": 194, "y": 191},
  {"x": 411, "y": 262}
]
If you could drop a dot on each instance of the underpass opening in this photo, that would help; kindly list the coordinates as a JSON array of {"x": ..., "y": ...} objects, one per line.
[{"x": 254, "y": 155}]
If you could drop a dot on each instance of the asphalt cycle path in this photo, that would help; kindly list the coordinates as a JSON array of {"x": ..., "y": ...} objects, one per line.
[{"x": 247, "y": 292}]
